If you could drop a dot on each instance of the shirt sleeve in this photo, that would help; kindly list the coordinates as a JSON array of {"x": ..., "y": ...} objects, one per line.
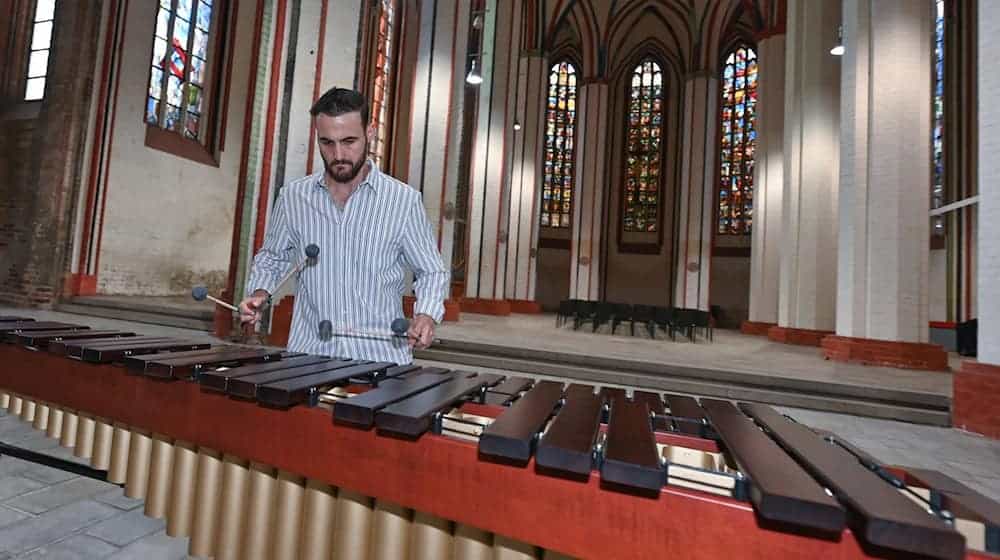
[
  {"x": 274, "y": 258},
  {"x": 421, "y": 253}
]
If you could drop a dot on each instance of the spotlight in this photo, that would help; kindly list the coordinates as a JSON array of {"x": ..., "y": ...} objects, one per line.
[
  {"x": 474, "y": 77},
  {"x": 838, "y": 49}
]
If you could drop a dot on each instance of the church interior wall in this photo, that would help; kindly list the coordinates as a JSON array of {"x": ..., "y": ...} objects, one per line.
[{"x": 187, "y": 239}]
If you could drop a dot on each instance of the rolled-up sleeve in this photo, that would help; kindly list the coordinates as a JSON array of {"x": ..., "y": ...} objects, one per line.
[
  {"x": 431, "y": 277},
  {"x": 275, "y": 256}
]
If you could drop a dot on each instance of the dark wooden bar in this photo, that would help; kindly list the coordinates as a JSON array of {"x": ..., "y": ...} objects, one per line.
[
  {"x": 780, "y": 489},
  {"x": 117, "y": 353},
  {"x": 219, "y": 380},
  {"x": 686, "y": 407},
  {"x": 41, "y": 339},
  {"x": 248, "y": 386},
  {"x": 14, "y": 327},
  {"x": 512, "y": 435},
  {"x": 413, "y": 416},
  {"x": 360, "y": 410},
  {"x": 568, "y": 445},
  {"x": 290, "y": 392},
  {"x": 630, "y": 456},
  {"x": 888, "y": 518},
  {"x": 74, "y": 348},
  {"x": 186, "y": 366}
]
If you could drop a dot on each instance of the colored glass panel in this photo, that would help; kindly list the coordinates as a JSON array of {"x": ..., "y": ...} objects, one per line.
[
  {"x": 737, "y": 142},
  {"x": 560, "y": 119},
  {"x": 641, "y": 201},
  {"x": 178, "y": 66}
]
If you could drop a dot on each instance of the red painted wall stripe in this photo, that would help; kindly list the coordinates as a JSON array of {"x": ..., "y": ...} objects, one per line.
[{"x": 316, "y": 83}]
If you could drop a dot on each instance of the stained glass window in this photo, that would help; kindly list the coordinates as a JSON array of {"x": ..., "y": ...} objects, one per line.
[
  {"x": 739, "y": 138},
  {"x": 382, "y": 86},
  {"x": 177, "y": 81},
  {"x": 560, "y": 121},
  {"x": 41, "y": 45},
  {"x": 645, "y": 142},
  {"x": 937, "y": 188}
]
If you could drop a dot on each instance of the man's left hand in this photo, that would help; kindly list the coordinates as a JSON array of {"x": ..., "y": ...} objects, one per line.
[{"x": 421, "y": 333}]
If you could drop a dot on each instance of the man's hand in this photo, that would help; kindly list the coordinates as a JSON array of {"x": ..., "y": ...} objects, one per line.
[
  {"x": 421, "y": 333},
  {"x": 250, "y": 308}
]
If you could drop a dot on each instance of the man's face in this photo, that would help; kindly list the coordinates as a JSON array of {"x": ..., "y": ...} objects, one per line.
[{"x": 343, "y": 145}]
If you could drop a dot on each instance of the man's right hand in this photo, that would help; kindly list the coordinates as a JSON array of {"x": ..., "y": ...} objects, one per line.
[{"x": 250, "y": 308}]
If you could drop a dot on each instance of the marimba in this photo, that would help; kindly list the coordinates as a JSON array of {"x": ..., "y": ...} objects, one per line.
[{"x": 257, "y": 452}]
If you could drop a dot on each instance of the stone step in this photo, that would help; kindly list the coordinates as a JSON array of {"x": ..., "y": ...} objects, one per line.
[{"x": 201, "y": 323}]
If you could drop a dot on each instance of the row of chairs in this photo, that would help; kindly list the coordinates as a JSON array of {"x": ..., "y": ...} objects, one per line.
[{"x": 671, "y": 319}]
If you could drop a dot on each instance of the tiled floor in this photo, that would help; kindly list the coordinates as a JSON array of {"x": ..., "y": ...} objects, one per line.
[{"x": 46, "y": 513}]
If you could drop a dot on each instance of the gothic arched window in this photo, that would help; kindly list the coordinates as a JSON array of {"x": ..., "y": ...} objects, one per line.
[
  {"x": 560, "y": 120},
  {"x": 738, "y": 140},
  {"x": 644, "y": 142}
]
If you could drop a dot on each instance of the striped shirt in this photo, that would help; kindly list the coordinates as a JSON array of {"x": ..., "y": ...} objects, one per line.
[{"x": 357, "y": 280}]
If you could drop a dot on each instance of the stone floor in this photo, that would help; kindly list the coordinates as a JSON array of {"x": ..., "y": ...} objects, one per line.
[{"x": 46, "y": 513}]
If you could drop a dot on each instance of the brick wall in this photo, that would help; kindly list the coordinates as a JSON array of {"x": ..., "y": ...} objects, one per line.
[{"x": 40, "y": 147}]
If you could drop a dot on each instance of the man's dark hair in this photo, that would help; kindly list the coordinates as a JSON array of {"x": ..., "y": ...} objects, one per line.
[{"x": 338, "y": 101}]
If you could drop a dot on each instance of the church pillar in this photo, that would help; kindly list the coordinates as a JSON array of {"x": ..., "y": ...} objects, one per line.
[
  {"x": 525, "y": 178},
  {"x": 588, "y": 193},
  {"x": 976, "y": 405},
  {"x": 768, "y": 186},
  {"x": 882, "y": 275},
  {"x": 491, "y": 146},
  {"x": 808, "y": 239},
  {"x": 437, "y": 103},
  {"x": 696, "y": 209}
]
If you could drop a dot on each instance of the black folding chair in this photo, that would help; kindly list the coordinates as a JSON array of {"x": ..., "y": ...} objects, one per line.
[
  {"x": 685, "y": 320},
  {"x": 584, "y": 313},
  {"x": 622, "y": 313},
  {"x": 664, "y": 318},
  {"x": 567, "y": 309},
  {"x": 645, "y": 316}
]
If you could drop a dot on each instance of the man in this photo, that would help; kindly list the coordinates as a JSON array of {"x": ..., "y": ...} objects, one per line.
[{"x": 368, "y": 227}]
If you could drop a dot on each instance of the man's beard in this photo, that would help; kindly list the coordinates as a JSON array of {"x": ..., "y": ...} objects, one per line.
[{"x": 353, "y": 170}]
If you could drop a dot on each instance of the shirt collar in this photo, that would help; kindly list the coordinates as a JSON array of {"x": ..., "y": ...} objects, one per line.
[{"x": 373, "y": 173}]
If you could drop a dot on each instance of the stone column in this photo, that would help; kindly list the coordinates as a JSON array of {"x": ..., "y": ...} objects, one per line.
[
  {"x": 808, "y": 245},
  {"x": 525, "y": 179},
  {"x": 436, "y": 110},
  {"x": 588, "y": 193},
  {"x": 976, "y": 405},
  {"x": 882, "y": 274},
  {"x": 697, "y": 189},
  {"x": 491, "y": 145},
  {"x": 768, "y": 186}
]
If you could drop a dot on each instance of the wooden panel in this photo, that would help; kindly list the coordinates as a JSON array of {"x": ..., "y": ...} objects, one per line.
[
  {"x": 511, "y": 436},
  {"x": 437, "y": 475},
  {"x": 290, "y": 392},
  {"x": 890, "y": 519},
  {"x": 651, "y": 400},
  {"x": 219, "y": 380},
  {"x": 413, "y": 416},
  {"x": 360, "y": 410},
  {"x": 780, "y": 490},
  {"x": 248, "y": 386},
  {"x": 630, "y": 455},
  {"x": 513, "y": 385},
  {"x": 568, "y": 444}
]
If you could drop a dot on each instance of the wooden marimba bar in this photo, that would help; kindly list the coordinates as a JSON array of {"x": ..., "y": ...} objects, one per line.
[{"x": 235, "y": 447}]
